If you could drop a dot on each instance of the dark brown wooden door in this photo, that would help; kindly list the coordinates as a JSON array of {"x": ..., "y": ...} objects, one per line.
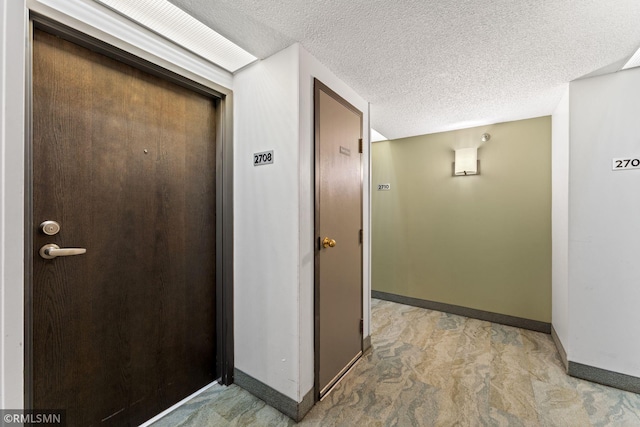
[{"x": 125, "y": 162}]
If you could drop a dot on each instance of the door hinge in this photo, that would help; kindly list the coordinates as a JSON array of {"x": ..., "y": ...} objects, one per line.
[
  {"x": 360, "y": 145},
  {"x": 361, "y": 326},
  {"x": 361, "y": 237}
]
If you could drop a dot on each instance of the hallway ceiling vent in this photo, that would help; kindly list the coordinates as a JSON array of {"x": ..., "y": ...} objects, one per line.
[{"x": 172, "y": 23}]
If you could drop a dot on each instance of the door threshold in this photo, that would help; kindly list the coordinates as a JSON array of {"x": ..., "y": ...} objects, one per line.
[
  {"x": 338, "y": 378},
  {"x": 177, "y": 405}
]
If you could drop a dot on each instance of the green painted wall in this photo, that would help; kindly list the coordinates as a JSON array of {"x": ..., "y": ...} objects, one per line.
[{"x": 482, "y": 241}]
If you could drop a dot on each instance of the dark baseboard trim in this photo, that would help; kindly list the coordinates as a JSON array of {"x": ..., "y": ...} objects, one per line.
[
  {"x": 560, "y": 347},
  {"x": 294, "y": 410},
  {"x": 504, "y": 319},
  {"x": 366, "y": 343},
  {"x": 602, "y": 376},
  {"x": 307, "y": 403}
]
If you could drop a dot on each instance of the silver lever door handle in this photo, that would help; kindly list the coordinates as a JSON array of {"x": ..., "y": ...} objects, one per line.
[{"x": 51, "y": 250}]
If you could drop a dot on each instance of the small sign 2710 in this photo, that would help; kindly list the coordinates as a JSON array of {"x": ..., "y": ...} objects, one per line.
[
  {"x": 384, "y": 187},
  {"x": 264, "y": 158},
  {"x": 627, "y": 163}
]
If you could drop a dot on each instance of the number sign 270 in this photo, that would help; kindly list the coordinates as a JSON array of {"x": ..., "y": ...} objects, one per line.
[
  {"x": 620, "y": 164},
  {"x": 264, "y": 158}
]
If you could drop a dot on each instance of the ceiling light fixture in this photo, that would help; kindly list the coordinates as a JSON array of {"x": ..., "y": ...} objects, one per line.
[{"x": 171, "y": 22}]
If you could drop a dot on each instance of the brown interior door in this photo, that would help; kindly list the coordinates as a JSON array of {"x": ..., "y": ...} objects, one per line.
[
  {"x": 338, "y": 224},
  {"x": 125, "y": 162}
]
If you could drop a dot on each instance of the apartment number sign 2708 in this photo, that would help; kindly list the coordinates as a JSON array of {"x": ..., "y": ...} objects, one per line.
[
  {"x": 626, "y": 163},
  {"x": 263, "y": 158}
]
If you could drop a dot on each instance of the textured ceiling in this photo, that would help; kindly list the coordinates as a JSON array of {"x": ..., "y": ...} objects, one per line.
[{"x": 432, "y": 66}]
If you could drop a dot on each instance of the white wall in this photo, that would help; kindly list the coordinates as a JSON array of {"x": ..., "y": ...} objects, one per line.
[
  {"x": 266, "y": 225},
  {"x": 604, "y": 223},
  {"x": 560, "y": 219},
  {"x": 92, "y": 19}
]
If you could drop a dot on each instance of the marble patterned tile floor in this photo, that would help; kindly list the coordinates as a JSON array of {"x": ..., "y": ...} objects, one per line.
[{"x": 428, "y": 368}]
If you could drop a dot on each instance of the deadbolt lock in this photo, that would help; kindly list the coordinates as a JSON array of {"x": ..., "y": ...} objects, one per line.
[
  {"x": 50, "y": 228},
  {"x": 328, "y": 243}
]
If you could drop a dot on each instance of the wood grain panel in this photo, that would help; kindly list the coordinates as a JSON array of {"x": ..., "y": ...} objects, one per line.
[{"x": 125, "y": 161}]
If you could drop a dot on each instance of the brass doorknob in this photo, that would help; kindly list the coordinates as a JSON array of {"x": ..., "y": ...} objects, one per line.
[{"x": 328, "y": 243}]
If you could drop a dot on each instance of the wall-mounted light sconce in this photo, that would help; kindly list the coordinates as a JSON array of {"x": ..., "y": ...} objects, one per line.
[{"x": 466, "y": 161}]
